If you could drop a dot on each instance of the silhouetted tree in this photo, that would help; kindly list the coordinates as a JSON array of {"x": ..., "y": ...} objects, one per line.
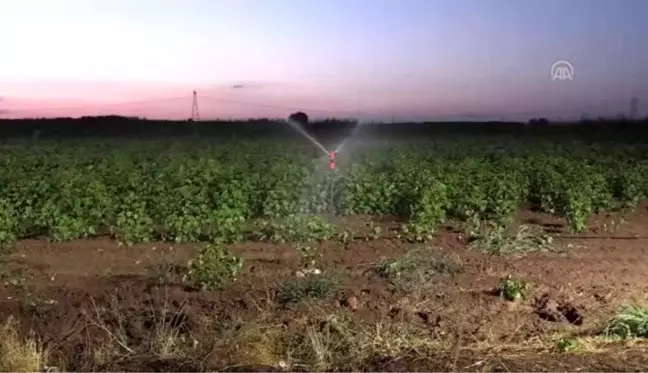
[
  {"x": 299, "y": 117},
  {"x": 538, "y": 122},
  {"x": 133, "y": 127}
]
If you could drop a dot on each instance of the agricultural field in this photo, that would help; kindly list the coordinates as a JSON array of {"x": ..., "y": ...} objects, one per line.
[{"x": 456, "y": 254}]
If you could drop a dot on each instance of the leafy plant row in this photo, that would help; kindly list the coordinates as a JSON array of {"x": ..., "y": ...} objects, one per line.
[{"x": 144, "y": 191}]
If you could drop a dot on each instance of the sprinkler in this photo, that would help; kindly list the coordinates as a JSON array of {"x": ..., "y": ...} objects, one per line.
[{"x": 331, "y": 155}]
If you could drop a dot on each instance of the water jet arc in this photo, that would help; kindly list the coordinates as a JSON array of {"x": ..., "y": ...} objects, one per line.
[{"x": 295, "y": 125}]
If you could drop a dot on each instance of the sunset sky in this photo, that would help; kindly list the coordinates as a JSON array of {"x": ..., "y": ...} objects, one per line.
[{"x": 413, "y": 59}]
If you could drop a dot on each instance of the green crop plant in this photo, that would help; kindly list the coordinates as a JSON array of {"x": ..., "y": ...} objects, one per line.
[
  {"x": 77, "y": 207},
  {"x": 368, "y": 190},
  {"x": 282, "y": 196},
  {"x": 632, "y": 185},
  {"x": 8, "y": 222},
  {"x": 198, "y": 190},
  {"x": 425, "y": 206},
  {"x": 133, "y": 223},
  {"x": 295, "y": 228}
]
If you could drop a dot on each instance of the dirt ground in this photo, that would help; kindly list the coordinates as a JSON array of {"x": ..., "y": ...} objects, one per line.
[{"x": 97, "y": 306}]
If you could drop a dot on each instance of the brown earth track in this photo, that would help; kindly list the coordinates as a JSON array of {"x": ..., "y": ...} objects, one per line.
[{"x": 55, "y": 289}]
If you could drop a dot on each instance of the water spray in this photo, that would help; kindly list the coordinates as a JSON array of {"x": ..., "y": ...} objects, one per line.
[
  {"x": 296, "y": 126},
  {"x": 330, "y": 180},
  {"x": 346, "y": 139},
  {"x": 330, "y": 153}
]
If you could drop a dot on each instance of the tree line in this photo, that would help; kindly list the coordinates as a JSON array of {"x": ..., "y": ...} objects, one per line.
[{"x": 133, "y": 127}]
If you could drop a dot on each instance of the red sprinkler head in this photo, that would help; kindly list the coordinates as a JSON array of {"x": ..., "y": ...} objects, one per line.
[{"x": 332, "y": 160}]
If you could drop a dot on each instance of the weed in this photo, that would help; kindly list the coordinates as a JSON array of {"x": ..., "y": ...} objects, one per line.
[
  {"x": 512, "y": 289},
  {"x": 15, "y": 277},
  {"x": 631, "y": 322},
  {"x": 314, "y": 287},
  {"x": 566, "y": 345},
  {"x": 416, "y": 268},
  {"x": 309, "y": 255},
  {"x": 345, "y": 235},
  {"x": 375, "y": 231},
  {"x": 214, "y": 266},
  {"x": 166, "y": 272},
  {"x": 493, "y": 239}
]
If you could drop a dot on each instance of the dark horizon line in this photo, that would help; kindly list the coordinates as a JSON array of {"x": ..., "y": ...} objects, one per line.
[{"x": 318, "y": 120}]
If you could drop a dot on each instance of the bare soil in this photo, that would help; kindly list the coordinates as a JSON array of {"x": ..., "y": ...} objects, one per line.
[{"x": 97, "y": 306}]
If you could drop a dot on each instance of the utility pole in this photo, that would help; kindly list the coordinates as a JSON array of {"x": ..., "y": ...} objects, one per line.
[
  {"x": 195, "y": 116},
  {"x": 195, "y": 113}
]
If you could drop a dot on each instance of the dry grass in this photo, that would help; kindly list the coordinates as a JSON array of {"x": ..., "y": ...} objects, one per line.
[
  {"x": 166, "y": 340},
  {"x": 328, "y": 339},
  {"x": 336, "y": 341},
  {"x": 20, "y": 354},
  {"x": 416, "y": 270},
  {"x": 323, "y": 340},
  {"x": 251, "y": 344}
]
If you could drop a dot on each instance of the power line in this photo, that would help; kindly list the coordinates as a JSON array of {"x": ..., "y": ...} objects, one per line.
[
  {"x": 114, "y": 104},
  {"x": 272, "y": 106}
]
